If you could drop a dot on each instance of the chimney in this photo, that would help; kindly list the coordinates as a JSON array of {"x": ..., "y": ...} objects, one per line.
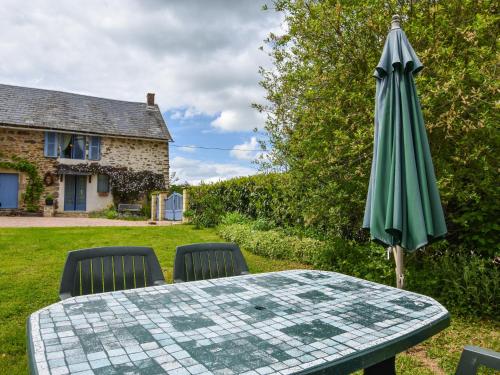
[{"x": 150, "y": 99}]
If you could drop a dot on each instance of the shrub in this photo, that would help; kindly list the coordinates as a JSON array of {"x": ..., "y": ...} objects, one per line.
[
  {"x": 468, "y": 283},
  {"x": 263, "y": 224},
  {"x": 108, "y": 213},
  {"x": 234, "y": 218},
  {"x": 274, "y": 244},
  {"x": 264, "y": 196},
  {"x": 111, "y": 213}
]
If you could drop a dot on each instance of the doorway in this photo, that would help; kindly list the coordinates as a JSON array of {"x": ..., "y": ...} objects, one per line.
[
  {"x": 9, "y": 189},
  {"x": 75, "y": 193}
]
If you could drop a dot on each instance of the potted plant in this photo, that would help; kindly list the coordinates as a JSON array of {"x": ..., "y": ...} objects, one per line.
[{"x": 49, "y": 200}]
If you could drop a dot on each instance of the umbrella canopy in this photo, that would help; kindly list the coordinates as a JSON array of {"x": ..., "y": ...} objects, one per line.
[{"x": 403, "y": 205}]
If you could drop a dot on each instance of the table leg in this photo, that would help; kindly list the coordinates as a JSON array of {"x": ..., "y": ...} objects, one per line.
[{"x": 387, "y": 367}]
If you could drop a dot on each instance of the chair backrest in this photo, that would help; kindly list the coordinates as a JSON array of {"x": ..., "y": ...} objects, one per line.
[
  {"x": 203, "y": 261},
  {"x": 106, "y": 269}
]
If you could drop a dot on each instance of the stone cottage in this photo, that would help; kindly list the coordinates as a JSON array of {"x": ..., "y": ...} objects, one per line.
[{"x": 58, "y": 131}]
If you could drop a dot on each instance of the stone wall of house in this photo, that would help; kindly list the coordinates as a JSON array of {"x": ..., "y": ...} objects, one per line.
[
  {"x": 28, "y": 145},
  {"x": 136, "y": 154}
]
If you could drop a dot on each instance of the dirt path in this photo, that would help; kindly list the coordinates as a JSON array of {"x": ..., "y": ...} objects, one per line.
[
  {"x": 24, "y": 222},
  {"x": 418, "y": 352}
]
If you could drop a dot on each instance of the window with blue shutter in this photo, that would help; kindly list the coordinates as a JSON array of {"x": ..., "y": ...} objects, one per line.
[
  {"x": 102, "y": 183},
  {"x": 50, "y": 147},
  {"x": 95, "y": 148}
]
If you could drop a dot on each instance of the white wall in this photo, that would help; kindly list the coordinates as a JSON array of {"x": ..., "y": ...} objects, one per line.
[{"x": 95, "y": 202}]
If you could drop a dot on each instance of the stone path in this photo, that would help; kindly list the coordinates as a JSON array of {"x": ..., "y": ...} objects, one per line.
[{"x": 23, "y": 222}]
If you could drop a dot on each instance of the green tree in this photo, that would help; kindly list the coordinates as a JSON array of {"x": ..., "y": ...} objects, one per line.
[{"x": 320, "y": 96}]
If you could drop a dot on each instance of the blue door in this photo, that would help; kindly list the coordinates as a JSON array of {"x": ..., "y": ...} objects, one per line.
[
  {"x": 75, "y": 193},
  {"x": 173, "y": 207},
  {"x": 9, "y": 186}
]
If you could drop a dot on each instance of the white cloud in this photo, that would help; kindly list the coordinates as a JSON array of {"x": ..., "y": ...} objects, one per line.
[
  {"x": 195, "y": 171},
  {"x": 246, "y": 151},
  {"x": 188, "y": 148},
  {"x": 238, "y": 119},
  {"x": 198, "y": 55},
  {"x": 227, "y": 120}
]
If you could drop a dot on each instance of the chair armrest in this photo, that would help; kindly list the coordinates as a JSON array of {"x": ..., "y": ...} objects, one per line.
[{"x": 473, "y": 356}]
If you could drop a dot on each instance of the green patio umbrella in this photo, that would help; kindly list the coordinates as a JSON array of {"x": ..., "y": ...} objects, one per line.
[{"x": 403, "y": 208}]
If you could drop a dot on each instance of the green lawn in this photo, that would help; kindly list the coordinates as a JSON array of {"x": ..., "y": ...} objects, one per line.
[{"x": 32, "y": 260}]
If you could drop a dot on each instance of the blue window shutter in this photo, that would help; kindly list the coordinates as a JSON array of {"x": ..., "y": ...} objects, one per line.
[
  {"x": 50, "y": 146},
  {"x": 102, "y": 183},
  {"x": 46, "y": 145},
  {"x": 95, "y": 148}
]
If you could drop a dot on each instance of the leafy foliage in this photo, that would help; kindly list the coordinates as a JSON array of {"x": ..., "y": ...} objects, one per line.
[
  {"x": 267, "y": 196},
  {"x": 126, "y": 184},
  {"x": 273, "y": 244},
  {"x": 321, "y": 99},
  {"x": 34, "y": 187}
]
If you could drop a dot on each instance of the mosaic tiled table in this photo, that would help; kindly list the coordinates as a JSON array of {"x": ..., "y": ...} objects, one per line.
[{"x": 282, "y": 322}]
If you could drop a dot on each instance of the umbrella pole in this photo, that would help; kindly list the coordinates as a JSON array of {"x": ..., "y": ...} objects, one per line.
[{"x": 397, "y": 251}]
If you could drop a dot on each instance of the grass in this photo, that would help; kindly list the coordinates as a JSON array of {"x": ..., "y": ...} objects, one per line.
[{"x": 32, "y": 260}]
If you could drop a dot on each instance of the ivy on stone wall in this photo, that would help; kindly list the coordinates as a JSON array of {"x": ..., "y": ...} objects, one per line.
[
  {"x": 126, "y": 185},
  {"x": 34, "y": 187}
]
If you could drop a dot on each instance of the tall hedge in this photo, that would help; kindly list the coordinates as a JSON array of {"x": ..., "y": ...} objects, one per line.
[
  {"x": 320, "y": 104},
  {"x": 269, "y": 196}
]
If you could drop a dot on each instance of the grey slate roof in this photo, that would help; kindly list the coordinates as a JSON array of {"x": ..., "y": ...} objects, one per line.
[{"x": 46, "y": 109}]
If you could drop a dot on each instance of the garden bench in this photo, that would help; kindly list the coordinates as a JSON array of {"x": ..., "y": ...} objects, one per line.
[{"x": 126, "y": 207}]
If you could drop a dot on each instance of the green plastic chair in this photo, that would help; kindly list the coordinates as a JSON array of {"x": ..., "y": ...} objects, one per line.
[
  {"x": 472, "y": 357},
  {"x": 202, "y": 261},
  {"x": 106, "y": 269}
]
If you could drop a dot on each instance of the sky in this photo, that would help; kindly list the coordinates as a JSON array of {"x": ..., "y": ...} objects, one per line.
[{"x": 200, "y": 58}]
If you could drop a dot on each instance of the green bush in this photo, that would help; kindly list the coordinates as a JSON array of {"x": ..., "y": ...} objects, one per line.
[
  {"x": 468, "y": 283},
  {"x": 111, "y": 214},
  {"x": 265, "y": 196},
  {"x": 275, "y": 245},
  {"x": 465, "y": 284},
  {"x": 263, "y": 224},
  {"x": 108, "y": 213},
  {"x": 234, "y": 218}
]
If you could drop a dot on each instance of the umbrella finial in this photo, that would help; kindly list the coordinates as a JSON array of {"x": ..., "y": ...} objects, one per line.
[{"x": 396, "y": 22}]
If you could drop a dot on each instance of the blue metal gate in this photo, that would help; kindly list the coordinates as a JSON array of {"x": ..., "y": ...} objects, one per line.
[
  {"x": 9, "y": 186},
  {"x": 173, "y": 207}
]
